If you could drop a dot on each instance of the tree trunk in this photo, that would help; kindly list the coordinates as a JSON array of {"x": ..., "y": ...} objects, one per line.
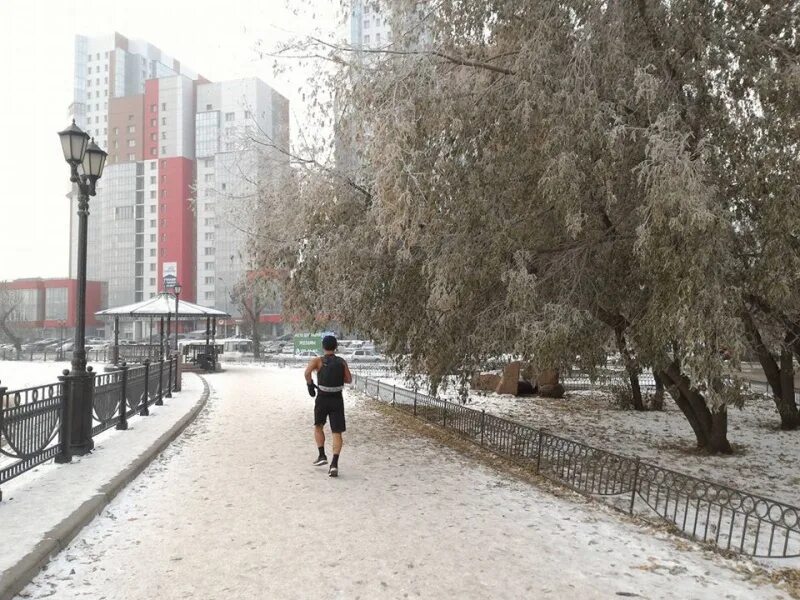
[
  {"x": 780, "y": 377},
  {"x": 256, "y": 337},
  {"x": 787, "y": 408},
  {"x": 631, "y": 367},
  {"x": 710, "y": 428},
  {"x": 658, "y": 399}
]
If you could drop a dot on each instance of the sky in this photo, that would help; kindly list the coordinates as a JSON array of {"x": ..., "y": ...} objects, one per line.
[{"x": 215, "y": 39}]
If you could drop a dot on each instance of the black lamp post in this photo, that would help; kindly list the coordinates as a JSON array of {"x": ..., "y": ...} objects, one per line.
[
  {"x": 86, "y": 161},
  {"x": 177, "y": 289}
]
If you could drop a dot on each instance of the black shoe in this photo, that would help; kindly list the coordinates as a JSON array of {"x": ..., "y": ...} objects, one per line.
[
  {"x": 333, "y": 472},
  {"x": 322, "y": 460}
]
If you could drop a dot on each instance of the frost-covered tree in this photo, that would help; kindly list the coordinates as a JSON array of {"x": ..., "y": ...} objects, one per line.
[{"x": 539, "y": 178}]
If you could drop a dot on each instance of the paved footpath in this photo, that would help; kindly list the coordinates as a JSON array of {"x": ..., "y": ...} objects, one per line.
[{"x": 234, "y": 510}]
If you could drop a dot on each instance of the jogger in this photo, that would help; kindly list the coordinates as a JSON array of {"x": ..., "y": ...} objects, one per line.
[{"x": 332, "y": 373}]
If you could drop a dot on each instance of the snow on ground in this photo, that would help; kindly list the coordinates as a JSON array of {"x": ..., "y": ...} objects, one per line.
[
  {"x": 234, "y": 509},
  {"x": 766, "y": 459},
  {"x": 18, "y": 374},
  {"x": 36, "y": 501}
]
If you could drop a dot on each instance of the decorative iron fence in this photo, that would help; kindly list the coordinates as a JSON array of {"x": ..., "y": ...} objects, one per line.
[
  {"x": 31, "y": 429},
  {"x": 34, "y": 422},
  {"x": 729, "y": 519}
]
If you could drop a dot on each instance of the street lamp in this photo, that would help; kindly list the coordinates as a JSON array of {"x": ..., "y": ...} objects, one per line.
[
  {"x": 177, "y": 289},
  {"x": 86, "y": 161}
]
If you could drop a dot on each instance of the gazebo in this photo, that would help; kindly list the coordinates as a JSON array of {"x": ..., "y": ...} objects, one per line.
[{"x": 164, "y": 306}]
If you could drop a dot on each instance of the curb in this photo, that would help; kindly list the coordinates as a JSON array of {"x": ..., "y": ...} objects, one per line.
[{"x": 14, "y": 579}]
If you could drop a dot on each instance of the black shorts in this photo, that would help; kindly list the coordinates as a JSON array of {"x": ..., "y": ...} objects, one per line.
[{"x": 333, "y": 406}]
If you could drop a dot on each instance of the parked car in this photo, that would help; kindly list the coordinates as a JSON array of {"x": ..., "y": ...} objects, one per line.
[
  {"x": 363, "y": 355},
  {"x": 307, "y": 354}
]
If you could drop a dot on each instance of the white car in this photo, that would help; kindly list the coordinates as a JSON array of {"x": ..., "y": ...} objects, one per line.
[
  {"x": 363, "y": 355},
  {"x": 307, "y": 354}
]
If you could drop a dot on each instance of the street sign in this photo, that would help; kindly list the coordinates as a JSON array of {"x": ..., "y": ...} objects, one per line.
[
  {"x": 309, "y": 341},
  {"x": 170, "y": 271}
]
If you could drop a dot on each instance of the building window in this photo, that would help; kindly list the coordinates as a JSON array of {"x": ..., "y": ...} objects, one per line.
[
  {"x": 153, "y": 240},
  {"x": 163, "y": 237},
  {"x": 163, "y": 193},
  {"x": 163, "y": 149},
  {"x": 152, "y": 279},
  {"x": 131, "y": 128},
  {"x": 153, "y": 122},
  {"x": 163, "y": 120},
  {"x": 224, "y": 186},
  {"x": 209, "y": 281},
  {"x": 130, "y": 117},
  {"x": 152, "y": 208},
  {"x": 366, "y": 39},
  {"x": 123, "y": 212},
  {"x": 153, "y": 223},
  {"x": 209, "y": 222},
  {"x": 163, "y": 135},
  {"x": 163, "y": 179},
  {"x": 162, "y": 252},
  {"x": 209, "y": 251},
  {"x": 163, "y": 106},
  {"x": 209, "y": 177},
  {"x": 209, "y": 266},
  {"x": 153, "y": 152},
  {"x": 229, "y": 116},
  {"x": 163, "y": 208},
  {"x": 152, "y": 194},
  {"x": 209, "y": 236},
  {"x": 152, "y": 253},
  {"x": 247, "y": 114},
  {"x": 131, "y": 143},
  {"x": 209, "y": 295},
  {"x": 116, "y": 131},
  {"x": 208, "y": 162},
  {"x": 209, "y": 107},
  {"x": 163, "y": 164},
  {"x": 153, "y": 166},
  {"x": 55, "y": 308},
  {"x": 163, "y": 222},
  {"x": 153, "y": 265},
  {"x": 153, "y": 179},
  {"x": 131, "y": 157},
  {"x": 154, "y": 137},
  {"x": 154, "y": 108}
]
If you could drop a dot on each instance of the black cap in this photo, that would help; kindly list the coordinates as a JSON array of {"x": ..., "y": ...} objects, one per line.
[{"x": 329, "y": 343}]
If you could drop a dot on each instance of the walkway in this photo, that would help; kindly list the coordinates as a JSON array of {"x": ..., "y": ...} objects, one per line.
[{"x": 234, "y": 510}]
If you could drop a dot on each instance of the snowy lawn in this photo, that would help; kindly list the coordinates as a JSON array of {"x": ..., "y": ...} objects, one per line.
[
  {"x": 36, "y": 501},
  {"x": 234, "y": 509},
  {"x": 18, "y": 374},
  {"x": 766, "y": 462}
]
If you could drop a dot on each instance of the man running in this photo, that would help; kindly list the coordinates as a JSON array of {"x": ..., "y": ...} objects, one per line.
[{"x": 332, "y": 374}]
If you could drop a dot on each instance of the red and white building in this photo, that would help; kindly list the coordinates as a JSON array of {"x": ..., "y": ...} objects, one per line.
[
  {"x": 174, "y": 164},
  {"x": 44, "y": 307}
]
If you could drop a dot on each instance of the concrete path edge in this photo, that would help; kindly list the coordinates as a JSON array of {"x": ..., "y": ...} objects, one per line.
[{"x": 14, "y": 579}]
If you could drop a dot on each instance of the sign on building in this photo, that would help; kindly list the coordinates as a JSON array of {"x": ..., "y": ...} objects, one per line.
[{"x": 170, "y": 271}]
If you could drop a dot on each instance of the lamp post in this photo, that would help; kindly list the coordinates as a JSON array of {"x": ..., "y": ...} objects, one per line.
[
  {"x": 86, "y": 161},
  {"x": 177, "y": 289}
]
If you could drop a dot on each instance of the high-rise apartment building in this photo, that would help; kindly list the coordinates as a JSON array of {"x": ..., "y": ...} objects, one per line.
[{"x": 177, "y": 158}]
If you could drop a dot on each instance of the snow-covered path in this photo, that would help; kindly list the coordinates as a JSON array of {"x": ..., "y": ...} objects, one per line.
[{"x": 235, "y": 510}]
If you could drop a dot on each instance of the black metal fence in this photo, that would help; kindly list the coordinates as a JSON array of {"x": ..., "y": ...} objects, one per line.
[
  {"x": 35, "y": 422},
  {"x": 728, "y": 518}
]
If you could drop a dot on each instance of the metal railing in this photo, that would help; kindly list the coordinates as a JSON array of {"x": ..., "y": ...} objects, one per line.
[
  {"x": 34, "y": 421},
  {"x": 98, "y": 355},
  {"x": 727, "y": 518}
]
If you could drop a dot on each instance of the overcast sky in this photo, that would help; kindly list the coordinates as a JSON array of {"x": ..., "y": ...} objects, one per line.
[{"x": 216, "y": 39}]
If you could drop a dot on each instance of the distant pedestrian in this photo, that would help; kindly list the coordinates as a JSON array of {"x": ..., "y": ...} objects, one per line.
[{"x": 332, "y": 373}]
